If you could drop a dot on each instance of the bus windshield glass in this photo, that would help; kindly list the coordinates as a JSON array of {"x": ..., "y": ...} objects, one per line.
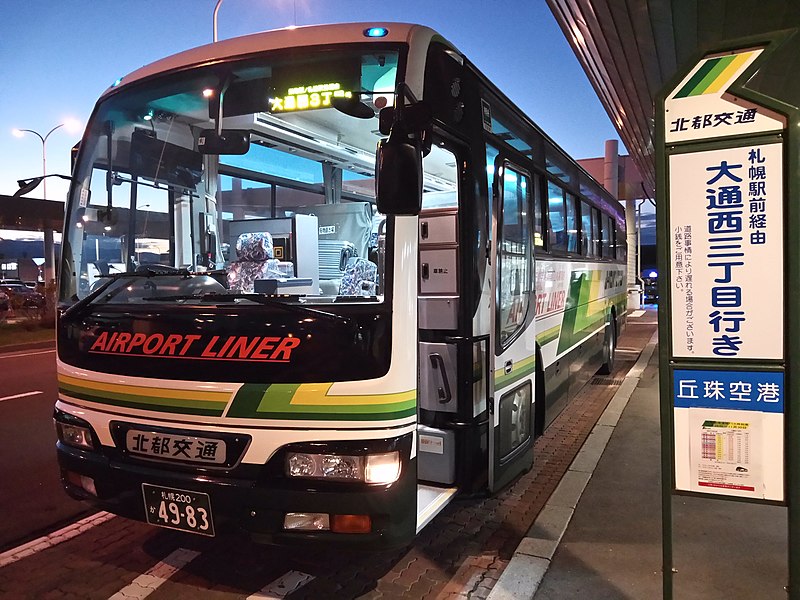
[{"x": 245, "y": 177}]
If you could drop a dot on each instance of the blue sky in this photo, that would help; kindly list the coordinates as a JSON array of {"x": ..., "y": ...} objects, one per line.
[{"x": 59, "y": 56}]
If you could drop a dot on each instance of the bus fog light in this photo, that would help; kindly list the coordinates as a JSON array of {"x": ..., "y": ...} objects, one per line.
[
  {"x": 74, "y": 435},
  {"x": 307, "y": 521},
  {"x": 382, "y": 468}
]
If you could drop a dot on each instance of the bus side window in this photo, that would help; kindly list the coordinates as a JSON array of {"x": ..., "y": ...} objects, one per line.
[
  {"x": 555, "y": 202},
  {"x": 538, "y": 220},
  {"x": 610, "y": 236},
  {"x": 596, "y": 233},
  {"x": 586, "y": 229},
  {"x": 572, "y": 224}
]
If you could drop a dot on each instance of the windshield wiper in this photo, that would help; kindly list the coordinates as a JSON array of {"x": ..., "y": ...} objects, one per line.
[
  {"x": 257, "y": 298},
  {"x": 146, "y": 271}
]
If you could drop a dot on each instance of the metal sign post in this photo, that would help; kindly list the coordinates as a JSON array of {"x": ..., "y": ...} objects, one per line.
[{"x": 724, "y": 224}]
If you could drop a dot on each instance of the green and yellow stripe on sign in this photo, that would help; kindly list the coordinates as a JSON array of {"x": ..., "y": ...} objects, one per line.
[
  {"x": 189, "y": 402},
  {"x": 714, "y": 75},
  {"x": 313, "y": 401}
]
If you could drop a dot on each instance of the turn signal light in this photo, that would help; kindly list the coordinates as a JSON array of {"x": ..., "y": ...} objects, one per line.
[{"x": 351, "y": 523}]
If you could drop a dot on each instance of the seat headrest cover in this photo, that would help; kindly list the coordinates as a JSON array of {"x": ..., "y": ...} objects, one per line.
[{"x": 252, "y": 247}]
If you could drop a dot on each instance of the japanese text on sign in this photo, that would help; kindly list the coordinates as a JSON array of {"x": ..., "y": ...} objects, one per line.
[
  {"x": 738, "y": 390},
  {"x": 726, "y": 225}
]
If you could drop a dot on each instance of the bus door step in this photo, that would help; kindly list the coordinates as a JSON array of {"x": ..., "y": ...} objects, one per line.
[{"x": 431, "y": 499}]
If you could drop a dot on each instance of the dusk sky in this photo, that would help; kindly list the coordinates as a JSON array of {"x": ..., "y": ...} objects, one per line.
[{"x": 58, "y": 57}]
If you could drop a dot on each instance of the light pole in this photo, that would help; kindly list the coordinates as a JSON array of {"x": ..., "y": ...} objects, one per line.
[
  {"x": 216, "y": 10},
  {"x": 43, "y": 138}
]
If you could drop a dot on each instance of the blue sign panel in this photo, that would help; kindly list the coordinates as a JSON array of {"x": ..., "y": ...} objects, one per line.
[{"x": 760, "y": 391}]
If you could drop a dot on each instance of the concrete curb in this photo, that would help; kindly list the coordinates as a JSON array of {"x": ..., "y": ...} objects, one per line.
[{"x": 524, "y": 573}]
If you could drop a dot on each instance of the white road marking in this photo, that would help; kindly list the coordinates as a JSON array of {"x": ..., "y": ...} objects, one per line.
[
  {"x": 283, "y": 586},
  {"x": 146, "y": 584},
  {"x": 25, "y": 395},
  {"x": 636, "y": 314},
  {"x": 55, "y": 538},
  {"x": 21, "y": 354}
]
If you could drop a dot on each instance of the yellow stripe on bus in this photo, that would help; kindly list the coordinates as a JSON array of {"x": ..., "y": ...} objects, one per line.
[
  {"x": 135, "y": 390},
  {"x": 316, "y": 394}
]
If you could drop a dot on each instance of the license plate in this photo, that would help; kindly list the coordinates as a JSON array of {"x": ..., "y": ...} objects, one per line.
[
  {"x": 175, "y": 447},
  {"x": 178, "y": 509}
]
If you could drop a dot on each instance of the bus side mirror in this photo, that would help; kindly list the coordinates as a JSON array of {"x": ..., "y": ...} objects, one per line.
[
  {"x": 398, "y": 175},
  {"x": 398, "y": 168}
]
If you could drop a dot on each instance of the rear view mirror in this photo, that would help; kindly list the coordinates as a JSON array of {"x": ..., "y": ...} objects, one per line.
[{"x": 230, "y": 141}]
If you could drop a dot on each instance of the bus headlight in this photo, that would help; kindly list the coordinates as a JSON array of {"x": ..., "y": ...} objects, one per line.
[
  {"x": 369, "y": 468},
  {"x": 74, "y": 435}
]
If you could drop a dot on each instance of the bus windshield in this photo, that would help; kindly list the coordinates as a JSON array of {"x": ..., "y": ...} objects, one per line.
[{"x": 245, "y": 177}]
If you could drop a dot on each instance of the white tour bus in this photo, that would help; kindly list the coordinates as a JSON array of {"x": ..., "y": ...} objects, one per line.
[{"x": 260, "y": 328}]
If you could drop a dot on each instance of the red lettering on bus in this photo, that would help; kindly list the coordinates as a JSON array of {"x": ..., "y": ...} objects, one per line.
[
  {"x": 190, "y": 339},
  {"x": 285, "y": 348},
  {"x": 171, "y": 344},
  {"x": 267, "y": 344},
  {"x": 100, "y": 342},
  {"x": 207, "y": 353},
  {"x": 153, "y": 343},
  {"x": 138, "y": 340},
  {"x": 243, "y": 346},
  {"x": 119, "y": 345}
]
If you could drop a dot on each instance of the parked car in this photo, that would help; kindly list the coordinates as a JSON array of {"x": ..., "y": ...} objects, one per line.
[
  {"x": 5, "y": 304},
  {"x": 21, "y": 296}
]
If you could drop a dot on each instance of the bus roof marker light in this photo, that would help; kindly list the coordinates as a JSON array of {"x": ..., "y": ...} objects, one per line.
[{"x": 374, "y": 32}]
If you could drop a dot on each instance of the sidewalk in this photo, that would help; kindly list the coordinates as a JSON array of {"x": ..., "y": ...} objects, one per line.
[{"x": 611, "y": 548}]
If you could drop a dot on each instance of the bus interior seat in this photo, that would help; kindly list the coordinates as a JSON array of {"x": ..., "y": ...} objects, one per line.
[
  {"x": 255, "y": 259},
  {"x": 360, "y": 278},
  {"x": 333, "y": 258}
]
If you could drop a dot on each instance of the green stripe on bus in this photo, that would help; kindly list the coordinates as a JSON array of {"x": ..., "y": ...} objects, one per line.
[
  {"x": 274, "y": 401},
  {"x": 143, "y": 403},
  {"x": 548, "y": 335},
  {"x": 338, "y": 416},
  {"x": 520, "y": 370}
]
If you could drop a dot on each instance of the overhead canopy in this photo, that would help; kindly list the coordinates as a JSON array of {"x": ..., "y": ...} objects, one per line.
[
  {"x": 630, "y": 50},
  {"x": 31, "y": 214}
]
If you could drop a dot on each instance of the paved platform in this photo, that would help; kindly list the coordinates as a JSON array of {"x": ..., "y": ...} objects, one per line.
[{"x": 599, "y": 535}]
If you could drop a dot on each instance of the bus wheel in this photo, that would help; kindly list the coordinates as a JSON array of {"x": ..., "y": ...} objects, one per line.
[{"x": 609, "y": 348}]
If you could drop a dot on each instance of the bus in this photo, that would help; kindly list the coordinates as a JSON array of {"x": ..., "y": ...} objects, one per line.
[{"x": 315, "y": 283}]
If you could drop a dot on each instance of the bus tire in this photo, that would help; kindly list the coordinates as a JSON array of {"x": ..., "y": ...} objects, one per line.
[{"x": 609, "y": 347}]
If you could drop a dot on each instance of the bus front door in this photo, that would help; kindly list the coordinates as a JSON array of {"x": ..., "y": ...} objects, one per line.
[{"x": 513, "y": 331}]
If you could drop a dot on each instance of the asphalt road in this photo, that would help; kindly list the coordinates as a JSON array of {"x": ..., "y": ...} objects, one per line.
[{"x": 31, "y": 498}]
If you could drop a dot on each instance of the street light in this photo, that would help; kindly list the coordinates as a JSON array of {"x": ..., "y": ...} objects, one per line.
[
  {"x": 216, "y": 10},
  {"x": 70, "y": 123}
]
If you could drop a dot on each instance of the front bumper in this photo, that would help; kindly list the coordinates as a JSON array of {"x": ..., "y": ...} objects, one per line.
[{"x": 256, "y": 498}]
